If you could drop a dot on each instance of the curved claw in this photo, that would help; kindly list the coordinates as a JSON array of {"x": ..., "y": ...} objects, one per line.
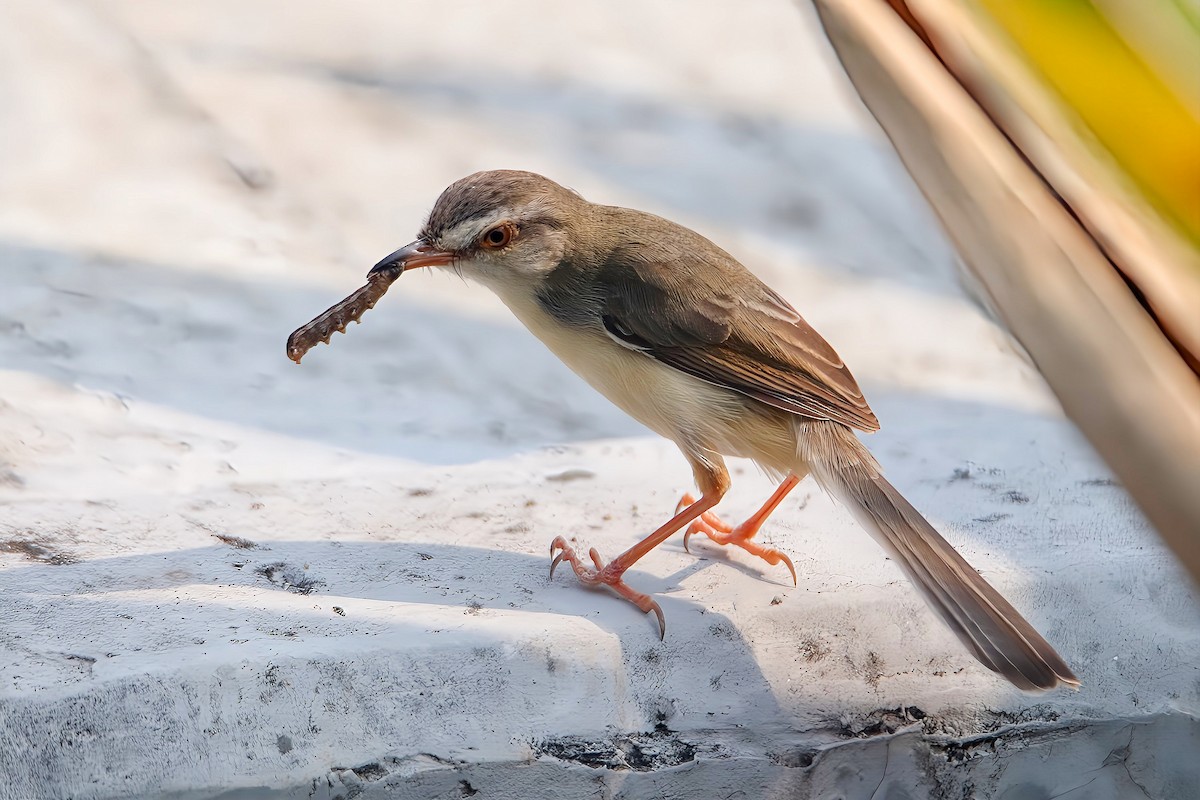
[
  {"x": 769, "y": 555},
  {"x": 791, "y": 568},
  {"x": 662, "y": 621},
  {"x": 559, "y": 543}
]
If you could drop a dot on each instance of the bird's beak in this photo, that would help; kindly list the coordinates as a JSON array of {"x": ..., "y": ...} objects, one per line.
[{"x": 418, "y": 254}]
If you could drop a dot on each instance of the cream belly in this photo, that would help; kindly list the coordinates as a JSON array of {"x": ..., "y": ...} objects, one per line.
[{"x": 698, "y": 416}]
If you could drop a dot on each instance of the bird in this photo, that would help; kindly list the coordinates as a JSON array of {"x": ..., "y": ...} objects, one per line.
[{"x": 690, "y": 343}]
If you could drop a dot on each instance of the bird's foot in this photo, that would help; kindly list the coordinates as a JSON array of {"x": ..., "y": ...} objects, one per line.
[
  {"x": 609, "y": 575},
  {"x": 742, "y": 535}
]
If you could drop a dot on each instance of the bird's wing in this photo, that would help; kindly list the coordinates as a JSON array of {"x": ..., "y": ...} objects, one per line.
[{"x": 719, "y": 323}]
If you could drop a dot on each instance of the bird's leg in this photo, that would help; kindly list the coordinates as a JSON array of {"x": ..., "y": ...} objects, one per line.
[
  {"x": 714, "y": 482},
  {"x": 742, "y": 535}
]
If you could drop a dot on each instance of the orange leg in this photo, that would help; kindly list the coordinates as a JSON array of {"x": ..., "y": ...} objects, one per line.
[
  {"x": 610, "y": 574},
  {"x": 711, "y": 525}
]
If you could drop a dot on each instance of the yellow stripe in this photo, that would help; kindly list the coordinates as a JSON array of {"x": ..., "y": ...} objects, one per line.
[{"x": 1129, "y": 109}]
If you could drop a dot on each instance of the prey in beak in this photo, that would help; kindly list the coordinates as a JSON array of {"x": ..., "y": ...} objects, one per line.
[
  {"x": 382, "y": 275},
  {"x": 415, "y": 254}
]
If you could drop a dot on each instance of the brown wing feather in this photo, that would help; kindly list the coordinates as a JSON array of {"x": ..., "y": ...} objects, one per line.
[{"x": 721, "y": 324}]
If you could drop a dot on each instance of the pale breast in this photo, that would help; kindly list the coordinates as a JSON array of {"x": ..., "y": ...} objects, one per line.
[
  {"x": 659, "y": 397},
  {"x": 678, "y": 406}
]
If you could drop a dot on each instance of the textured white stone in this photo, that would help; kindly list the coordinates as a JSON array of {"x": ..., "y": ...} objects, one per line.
[{"x": 223, "y": 575}]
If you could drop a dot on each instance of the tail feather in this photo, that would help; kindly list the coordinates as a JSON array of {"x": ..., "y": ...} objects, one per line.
[{"x": 983, "y": 620}]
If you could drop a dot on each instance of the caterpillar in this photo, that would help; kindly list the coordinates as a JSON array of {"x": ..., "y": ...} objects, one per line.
[{"x": 337, "y": 317}]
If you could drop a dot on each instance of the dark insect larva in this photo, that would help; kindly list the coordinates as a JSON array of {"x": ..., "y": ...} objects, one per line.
[{"x": 339, "y": 316}]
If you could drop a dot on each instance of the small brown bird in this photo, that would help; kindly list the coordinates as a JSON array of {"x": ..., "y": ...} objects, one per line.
[{"x": 686, "y": 340}]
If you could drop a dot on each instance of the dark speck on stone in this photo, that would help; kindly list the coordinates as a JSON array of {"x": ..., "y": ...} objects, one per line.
[{"x": 575, "y": 474}]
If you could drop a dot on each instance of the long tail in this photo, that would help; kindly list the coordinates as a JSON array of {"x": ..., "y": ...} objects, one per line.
[{"x": 983, "y": 620}]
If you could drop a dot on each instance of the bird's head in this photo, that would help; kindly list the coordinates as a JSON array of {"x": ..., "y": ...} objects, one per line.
[{"x": 502, "y": 228}]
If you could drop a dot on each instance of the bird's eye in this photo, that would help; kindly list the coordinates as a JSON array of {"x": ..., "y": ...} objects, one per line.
[{"x": 499, "y": 236}]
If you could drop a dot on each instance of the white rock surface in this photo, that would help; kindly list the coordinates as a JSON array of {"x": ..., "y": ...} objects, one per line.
[{"x": 226, "y": 576}]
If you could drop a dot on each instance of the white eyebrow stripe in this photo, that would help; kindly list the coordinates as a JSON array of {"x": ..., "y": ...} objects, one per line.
[{"x": 463, "y": 234}]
